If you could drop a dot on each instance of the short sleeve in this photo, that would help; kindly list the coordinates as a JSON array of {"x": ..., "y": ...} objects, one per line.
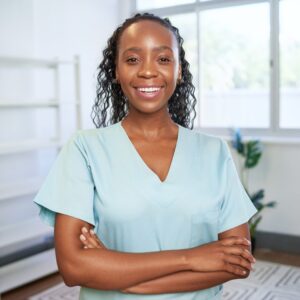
[
  {"x": 236, "y": 207},
  {"x": 69, "y": 187}
]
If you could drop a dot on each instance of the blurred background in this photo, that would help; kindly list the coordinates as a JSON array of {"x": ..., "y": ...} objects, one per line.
[{"x": 245, "y": 59}]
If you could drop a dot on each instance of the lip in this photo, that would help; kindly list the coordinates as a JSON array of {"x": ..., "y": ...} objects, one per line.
[{"x": 148, "y": 95}]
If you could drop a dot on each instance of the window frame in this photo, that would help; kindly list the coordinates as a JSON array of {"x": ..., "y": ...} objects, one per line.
[{"x": 273, "y": 134}]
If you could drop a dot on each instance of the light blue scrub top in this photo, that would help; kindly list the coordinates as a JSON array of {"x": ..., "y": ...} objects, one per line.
[{"x": 100, "y": 178}]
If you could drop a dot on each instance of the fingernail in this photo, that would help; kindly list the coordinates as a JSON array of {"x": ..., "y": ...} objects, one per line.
[
  {"x": 244, "y": 272},
  {"x": 92, "y": 231},
  {"x": 254, "y": 260},
  {"x": 84, "y": 230},
  {"x": 252, "y": 266},
  {"x": 82, "y": 237}
]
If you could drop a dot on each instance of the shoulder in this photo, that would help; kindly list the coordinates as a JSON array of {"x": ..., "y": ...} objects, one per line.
[
  {"x": 87, "y": 136},
  {"x": 208, "y": 143}
]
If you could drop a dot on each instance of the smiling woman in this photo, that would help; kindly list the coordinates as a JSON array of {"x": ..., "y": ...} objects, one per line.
[
  {"x": 166, "y": 205},
  {"x": 148, "y": 68}
]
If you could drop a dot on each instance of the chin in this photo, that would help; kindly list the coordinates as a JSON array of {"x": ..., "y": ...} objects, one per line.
[{"x": 148, "y": 108}]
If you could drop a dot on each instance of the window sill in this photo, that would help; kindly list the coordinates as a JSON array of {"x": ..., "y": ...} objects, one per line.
[{"x": 264, "y": 137}]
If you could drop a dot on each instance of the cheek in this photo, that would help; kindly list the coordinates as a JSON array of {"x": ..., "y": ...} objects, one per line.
[
  {"x": 170, "y": 76},
  {"x": 126, "y": 73}
]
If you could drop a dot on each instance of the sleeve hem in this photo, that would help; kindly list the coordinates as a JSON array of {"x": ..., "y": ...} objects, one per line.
[
  {"x": 47, "y": 214},
  {"x": 237, "y": 223}
]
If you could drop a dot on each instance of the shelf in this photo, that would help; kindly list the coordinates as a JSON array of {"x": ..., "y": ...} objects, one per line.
[
  {"x": 33, "y": 104},
  {"x": 27, "y": 270},
  {"x": 17, "y": 147},
  {"x": 17, "y": 236},
  {"x": 23, "y": 231},
  {"x": 19, "y": 104},
  {"x": 31, "y": 62},
  {"x": 17, "y": 189}
]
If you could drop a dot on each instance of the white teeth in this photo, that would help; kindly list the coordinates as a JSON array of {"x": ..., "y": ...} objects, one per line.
[{"x": 149, "y": 90}]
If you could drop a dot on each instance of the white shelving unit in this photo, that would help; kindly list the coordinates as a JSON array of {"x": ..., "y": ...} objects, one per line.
[
  {"x": 38, "y": 265},
  {"x": 32, "y": 228},
  {"x": 31, "y": 268}
]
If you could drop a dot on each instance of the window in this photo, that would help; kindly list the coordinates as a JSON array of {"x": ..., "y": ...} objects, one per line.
[
  {"x": 235, "y": 66},
  {"x": 184, "y": 23},
  {"x": 150, "y": 4},
  {"x": 289, "y": 64},
  {"x": 245, "y": 61}
]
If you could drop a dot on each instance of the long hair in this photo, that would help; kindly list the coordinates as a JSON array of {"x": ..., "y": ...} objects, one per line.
[{"x": 109, "y": 95}]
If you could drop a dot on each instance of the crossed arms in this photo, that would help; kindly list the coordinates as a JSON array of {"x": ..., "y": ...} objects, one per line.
[{"x": 88, "y": 263}]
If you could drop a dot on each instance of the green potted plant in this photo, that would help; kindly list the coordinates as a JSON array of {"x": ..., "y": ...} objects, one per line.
[{"x": 249, "y": 154}]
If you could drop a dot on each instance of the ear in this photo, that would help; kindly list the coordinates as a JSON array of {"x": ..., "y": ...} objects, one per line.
[{"x": 117, "y": 74}]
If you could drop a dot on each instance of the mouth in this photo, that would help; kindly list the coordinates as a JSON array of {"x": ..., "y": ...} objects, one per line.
[{"x": 149, "y": 92}]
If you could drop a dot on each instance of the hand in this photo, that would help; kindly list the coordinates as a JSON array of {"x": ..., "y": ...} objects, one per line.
[
  {"x": 90, "y": 240},
  {"x": 228, "y": 254}
]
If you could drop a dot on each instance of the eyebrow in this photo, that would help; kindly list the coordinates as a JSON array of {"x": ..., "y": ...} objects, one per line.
[{"x": 160, "y": 48}]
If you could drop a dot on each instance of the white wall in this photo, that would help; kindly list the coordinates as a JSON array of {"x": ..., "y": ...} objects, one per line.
[
  {"x": 16, "y": 27},
  {"x": 278, "y": 174},
  {"x": 75, "y": 27}
]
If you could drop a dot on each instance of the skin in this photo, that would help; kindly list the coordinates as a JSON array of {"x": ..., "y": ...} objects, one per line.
[
  {"x": 152, "y": 60},
  {"x": 185, "y": 280},
  {"x": 148, "y": 55}
]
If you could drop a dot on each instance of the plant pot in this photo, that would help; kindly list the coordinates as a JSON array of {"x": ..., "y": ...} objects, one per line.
[{"x": 253, "y": 243}]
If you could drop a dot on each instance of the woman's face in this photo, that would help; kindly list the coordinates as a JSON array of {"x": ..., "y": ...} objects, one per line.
[{"x": 147, "y": 65}]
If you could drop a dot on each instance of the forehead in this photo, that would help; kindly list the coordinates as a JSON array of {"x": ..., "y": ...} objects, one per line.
[{"x": 147, "y": 33}]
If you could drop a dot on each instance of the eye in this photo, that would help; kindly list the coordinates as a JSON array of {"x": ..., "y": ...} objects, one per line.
[
  {"x": 132, "y": 60},
  {"x": 164, "y": 60}
]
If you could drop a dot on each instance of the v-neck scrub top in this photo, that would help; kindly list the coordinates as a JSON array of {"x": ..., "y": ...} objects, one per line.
[{"x": 99, "y": 177}]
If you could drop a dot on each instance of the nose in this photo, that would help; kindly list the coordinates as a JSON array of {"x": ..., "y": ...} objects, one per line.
[{"x": 147, "y": 70}]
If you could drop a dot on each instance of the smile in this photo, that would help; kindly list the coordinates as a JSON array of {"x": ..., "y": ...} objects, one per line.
[
  {"x": 148, "y": 92},
  {"x": 149, "y": 89}
]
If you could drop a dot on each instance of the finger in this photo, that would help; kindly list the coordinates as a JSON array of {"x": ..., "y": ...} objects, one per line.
[
  {"x": 83, "y": 239},
  {"x": 91, "y": 239},
  {"x": 85, "y": 231},
  {"x": 235, "y": 240},
  {"x": 85, "y": 242},
  {"x": 90, "y": 236},
  {"x": 93, "y": 234},
  {"x": 239, "y": 261},
  {"x": 93, "y": 242},
  {"x": 245, "y": 253},
  {"x": 235, "y": 270}
]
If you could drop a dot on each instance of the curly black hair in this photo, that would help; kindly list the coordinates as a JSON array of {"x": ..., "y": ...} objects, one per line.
[{"x": 181, "y": 105}]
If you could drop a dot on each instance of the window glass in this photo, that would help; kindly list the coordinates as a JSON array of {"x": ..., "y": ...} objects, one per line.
[
  {"x": 234, "y": 56},
  {"x": 187, "y": 26},
  {"x": 148, "y": 4},
  {"x": 289, "y": 64}
]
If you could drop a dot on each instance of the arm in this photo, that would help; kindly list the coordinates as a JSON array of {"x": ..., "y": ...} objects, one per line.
[
  {"x": 107, "y": 269},
  {"x": 184, "y": 280},
  {"x": 191, "y": 281}
]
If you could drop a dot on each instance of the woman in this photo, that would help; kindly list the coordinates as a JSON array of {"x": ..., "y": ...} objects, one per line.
[{"x": 165, "y": 202}]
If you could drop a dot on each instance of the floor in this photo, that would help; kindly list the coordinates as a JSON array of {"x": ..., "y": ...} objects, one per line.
[{"x": 24, "y": 292}]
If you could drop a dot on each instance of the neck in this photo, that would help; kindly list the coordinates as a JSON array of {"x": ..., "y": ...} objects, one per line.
[{"x": 153, "y": 125}]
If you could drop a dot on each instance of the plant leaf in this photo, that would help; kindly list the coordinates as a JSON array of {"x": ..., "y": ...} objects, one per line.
[
  {"x": 257, "y": 196},
  {"x": 271, "y": 204},
  {"x": 253, "y": 153},
  {"x": 237, "y": 143}
]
